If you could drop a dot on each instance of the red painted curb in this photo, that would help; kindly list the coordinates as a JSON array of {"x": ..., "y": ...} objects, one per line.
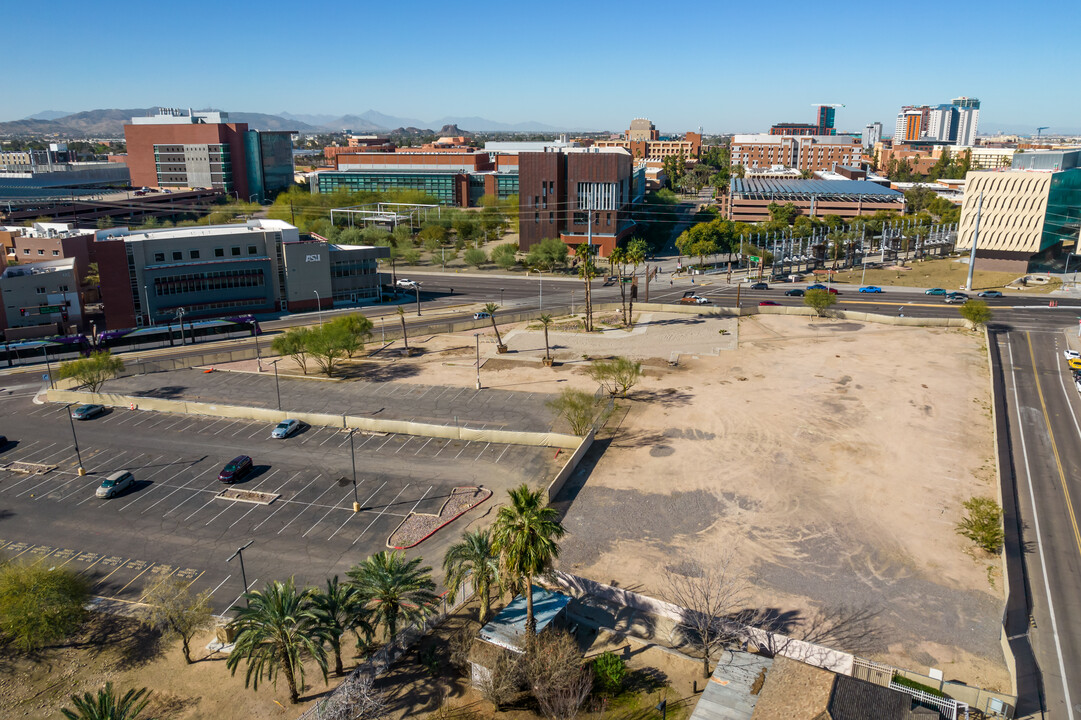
[{"x": 440, "y": 527}]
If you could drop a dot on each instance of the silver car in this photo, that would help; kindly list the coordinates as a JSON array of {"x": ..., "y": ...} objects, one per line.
[
  {"x": 115, "y": 484},
  {"x": 285, "y": 428}
]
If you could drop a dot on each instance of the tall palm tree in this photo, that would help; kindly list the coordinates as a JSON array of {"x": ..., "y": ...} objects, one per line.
[
  {"x": 394, "y": 589},
  {"x": 491, "y": 309},
  {"x": 546, "y": 320},
  {"x": 636, "y": 254},
  {"x": 105, "y": 705},
  {"x": 275, "y": 633},
  {"x": 337, "y": 610},
  {"x": 474, "y": 557},
  {"x": 525, "y": 537},
  {"x": 587, "y": 270}
]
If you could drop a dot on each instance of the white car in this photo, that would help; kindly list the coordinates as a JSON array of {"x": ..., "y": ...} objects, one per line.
[
  {"x": 284, "y": 429},
  {"x": 115, "y": 484},
  {"x": 406, "y": 283},
  {"x": 1071, "y": 354}
]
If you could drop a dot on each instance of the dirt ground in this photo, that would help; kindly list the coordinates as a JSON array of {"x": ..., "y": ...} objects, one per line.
[{"x": 944, "y": 273}]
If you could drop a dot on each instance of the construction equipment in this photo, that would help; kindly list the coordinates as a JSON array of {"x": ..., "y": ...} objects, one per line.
[
  {"x": 1040, "y": 130},
  {"x": 832, "y": 105}
]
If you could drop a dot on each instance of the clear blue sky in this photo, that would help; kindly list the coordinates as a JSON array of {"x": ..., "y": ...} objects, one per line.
[{"x": 720, "y": 65}]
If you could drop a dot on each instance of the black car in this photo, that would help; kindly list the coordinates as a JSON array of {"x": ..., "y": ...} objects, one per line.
[
  {"x": 3, "y": 442},
  {"x": 236, "y": 469},
  {"x": 794, "y": 292},
  {"x": 760, "y": 286}
]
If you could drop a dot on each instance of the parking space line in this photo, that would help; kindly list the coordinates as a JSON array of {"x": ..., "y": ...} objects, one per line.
[
  {"x": 441, "y": 449},
  {"x": 201, "y": 573},
  {"x": 189, "y": 517},
  {"x": 365, "y": 442},
  {"x": 242, "y": 428},
  {"x": 364, "y": 504},
  {"x": 45, "y": 555},
  {"x": 176, "y": 422},
  {"x": 423, "y": 446},
  {"x": 135, "y": 578},
  {"x": 283, "y": 504},
  {"x": 241, "y": 595},
  {"x": 502, "y": 454},
  {"x": 343, "y": 442},
  {"x": 329, "y": 437},
  {"x": 414, "y": 508},
  {"x": 124, "y": 417},
  {"x": 218, "y": 586},
  {"x": 390, "y": 437},
  {"x": 99, "y": 582},
  {"x": 329, "y": 488},
  {"x": 378, "y": 516},
  {"x": 482, "y": 451},
  {"x": 176, "y": 490},
  {"x": 328, "y": 512},
  {"x": 147, "y": 491},
  {"x": 142, "y": 598},
  {"x": 102, "y": 557},
  {"x": 464, "y": 446},
  {"x": 28, "y": 548},
  {"x": 253, "y": 507},
  {"x": 403, "y": 444},
  {"x": 430, "y": 387},
  {"x": 257, "y": 431}
]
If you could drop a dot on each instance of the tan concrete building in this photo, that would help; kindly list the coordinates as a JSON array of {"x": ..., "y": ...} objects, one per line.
[{"x": 643, "y": 142}]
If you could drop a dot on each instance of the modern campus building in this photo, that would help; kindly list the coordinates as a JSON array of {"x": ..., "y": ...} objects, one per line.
[
  {"x": 183, "y": 149},
  {"x": 803, "y": 152},
  {"x": 148, "y": 276},
  {"x": 580, "y": 195},
  {"x": 872, "y": 133},
  {"x": 824, "y": 124},
  {"x": 1026, "y": 213},
  {"x": 748, "y": 199},
  {"x": 954, "y": 124},
  {"x": 41, "y": 294},
  {"x": 643, "y": 142}
]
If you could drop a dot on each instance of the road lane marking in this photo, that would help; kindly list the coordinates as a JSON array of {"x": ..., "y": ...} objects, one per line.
[
  {"x": 378, "y": 516},
  {"x": 1039, "y": 537}
]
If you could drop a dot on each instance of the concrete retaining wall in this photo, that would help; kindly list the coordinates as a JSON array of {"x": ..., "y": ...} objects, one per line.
[{"x": 569, "y": 467}]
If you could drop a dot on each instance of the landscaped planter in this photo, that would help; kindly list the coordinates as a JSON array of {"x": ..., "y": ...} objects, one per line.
[
  {"x": 548, "y": 361},
  {"x": 501, "y": 349}
]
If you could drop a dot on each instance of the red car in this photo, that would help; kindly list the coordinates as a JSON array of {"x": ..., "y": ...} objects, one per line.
[{"x": 768, "y": 302}]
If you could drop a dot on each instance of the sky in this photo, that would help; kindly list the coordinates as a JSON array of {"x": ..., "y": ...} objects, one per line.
[{"x": 724, "y": 66}]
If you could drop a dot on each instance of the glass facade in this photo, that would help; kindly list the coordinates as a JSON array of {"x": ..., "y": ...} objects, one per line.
[
  {"x": 439, "y": 185},
  {"x": 1063, "y": 217},
  {"x": 270, "y": 163},
  {"x": 506, "y": 184}
]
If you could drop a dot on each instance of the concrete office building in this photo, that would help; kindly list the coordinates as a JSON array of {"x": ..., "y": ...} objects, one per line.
[
  {"x": 576, "y": 193},
  {"x": 224, "y": 270},
  {"x": 872, "y": 133},
  {"x": 41, "y": 294},
  {"x": 803, "y": 152},
  {"x": 955, "y": 123},
  {"x": 1025, "y": 217},
  {"x": 824, "y": 124},
  {"x": 748, "y": 200},
  {"x": 183, "y": 149}
]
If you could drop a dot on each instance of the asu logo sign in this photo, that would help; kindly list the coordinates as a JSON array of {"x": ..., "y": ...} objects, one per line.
[{"x": 312, "y": 258}]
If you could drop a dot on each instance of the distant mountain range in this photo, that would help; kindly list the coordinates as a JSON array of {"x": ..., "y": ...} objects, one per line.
[{"x": 109, "y": 123}]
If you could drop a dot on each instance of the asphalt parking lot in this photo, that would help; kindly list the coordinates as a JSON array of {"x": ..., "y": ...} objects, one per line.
[
  {"x": 172, "y": 521},
  {"x": 488, "y": 408}
]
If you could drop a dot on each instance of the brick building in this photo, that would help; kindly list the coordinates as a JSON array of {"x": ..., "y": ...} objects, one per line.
[
  {"x": 803, "y": 152},
  {"x": 643, "y": 142},
  {"x": 748, "y": 200}
]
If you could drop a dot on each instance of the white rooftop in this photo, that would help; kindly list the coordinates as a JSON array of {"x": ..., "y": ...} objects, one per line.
[{"x": 258, "y": 225}]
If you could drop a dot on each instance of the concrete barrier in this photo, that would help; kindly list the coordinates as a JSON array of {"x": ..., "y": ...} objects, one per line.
[{"x": 569, "y": 467}]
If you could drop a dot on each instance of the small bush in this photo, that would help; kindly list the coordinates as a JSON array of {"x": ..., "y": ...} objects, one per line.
[
  {"x": 983, "y": 524},
  {"x": 902, "y": 680},
  {"x": 609, "y": 671}
]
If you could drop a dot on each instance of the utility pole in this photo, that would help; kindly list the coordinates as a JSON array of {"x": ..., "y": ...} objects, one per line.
[
  {"x": 243, "y": 576},
  {"x": 352, "y": 454},
  {"x": 417, "y": 288},
  {"x": 82, "y": 470},
  {"x": 975, "y": 239},
  {"x": 477, "y": 336}
]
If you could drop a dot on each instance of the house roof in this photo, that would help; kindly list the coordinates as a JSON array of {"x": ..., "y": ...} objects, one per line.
[
  {"x": 727, "y": 695},
  {"x": 794, "y": 691},
  {"x": 854, "y": 699},
  {"x": 507, "y": 628}
]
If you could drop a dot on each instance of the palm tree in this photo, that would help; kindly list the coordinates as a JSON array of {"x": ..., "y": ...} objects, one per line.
[
  {"x": 405, "y": 336},
  {"x": 337, "y": 610},
  {"x": 546, "y": 320},
  {"x": 275, "y": 633},
  {"x": 491, "y": 308},
  {"x": 394, "y": 589},
  {"x": 105, "y": 705},
  {"x": 474, "y": 557},
  {"x": 617, "y": 259},
  {"x": 587, "y": 270},
  {"x": 524, "y": 536},
  {"x": 636, "y": 254}
]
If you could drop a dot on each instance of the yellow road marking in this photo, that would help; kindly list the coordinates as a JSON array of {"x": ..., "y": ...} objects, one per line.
[
  {"x": 93, "y": 564},
  {"x": 156, "y": 585},
  {"x": 135, "y": 578},
  {"x": 114, "y": 570},
  {"x": 196, "y": 578},
  {"x": 1054, "y": 446}
]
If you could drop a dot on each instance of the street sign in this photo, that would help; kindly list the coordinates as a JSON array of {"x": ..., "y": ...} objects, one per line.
[
  {"x": 754, "y": 258},
  {"x": 45, "y": 378}
]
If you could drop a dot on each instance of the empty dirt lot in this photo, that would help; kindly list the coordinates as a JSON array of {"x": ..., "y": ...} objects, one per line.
[{"x": 835, "y": 455}]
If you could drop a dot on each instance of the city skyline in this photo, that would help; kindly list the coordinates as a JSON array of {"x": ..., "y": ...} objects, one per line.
[{"x": 579, "y": 69}]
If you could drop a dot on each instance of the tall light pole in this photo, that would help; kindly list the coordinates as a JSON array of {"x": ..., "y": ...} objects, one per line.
[
  {"x": 49, "y": 365},
  {"x": 82, "y": 470},
  {"x": 477, "y": 336},
  {"x": 276, "y": 386},
  {"x": 318, "y": 306},
  {"x": 353, "y": 456},
  {"x": 540, "y": 301},
  {"x": 258, "y": 357},
  {"x": 417, "y": 288},
  {"x": 243, "y": 575},
  {"x": 501, "y": 293},
  {"x": 975, "y": 238},
  {"x": 149, "y": 315}
]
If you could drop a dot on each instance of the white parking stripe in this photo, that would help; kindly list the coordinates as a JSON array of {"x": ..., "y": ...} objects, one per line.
[
  {"x": 328, "y": 512},
  {"x": 502, "y": 454},
  {"x": 403, "y": 444},
  {"x": 280, "y": 506},
  {"x": 329, "y": 438},
  {"x": 414, "y": 508},
  {"x": 364, "y": 504},
  {"x": 482, "y": 452},
  {"x": 241, "y": 595},
  {"x": 423, "y": 446},
  {"x": 389, "y": 438},
  {"x": 182, "y": 487},
  {"x": 378, "y": 516},
  {"x": 329, "y": 488},
  {"x": 185, "y": 467}
]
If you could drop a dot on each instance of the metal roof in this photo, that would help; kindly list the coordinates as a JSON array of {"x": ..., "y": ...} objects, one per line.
[
  {"x": 769, "y": 186},
  {"x": 507, "y": 628},
  {"x": 727, "y": 695}
]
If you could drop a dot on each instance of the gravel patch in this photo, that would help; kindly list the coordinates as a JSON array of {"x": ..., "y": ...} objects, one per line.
[{"x": 417, "y": 527}]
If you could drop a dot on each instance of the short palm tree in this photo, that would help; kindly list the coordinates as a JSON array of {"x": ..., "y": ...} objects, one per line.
[
  {"x": 276, "y": 632},
  {"x": 525, "y": 537},
  {"x": 491, "y": 309},
  {"x": 105, "y": 705},
  {"x": 394, "y": 589},
  {"x": 337, "y": 610},
  {"x": 473, "y": 557},
  {"x": 546, "y": 320}
]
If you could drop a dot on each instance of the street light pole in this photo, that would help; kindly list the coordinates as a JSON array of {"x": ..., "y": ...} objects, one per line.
[
  {"x": 49, "y": 365},
  {"x": 146, "y": 298},
  {"x": 353, "y": 455},
  {"x": 477, "y": 336},
  {"x": 501, "y": 290},
  {"x": 258, "y": 357},
  {"x": 82, "y": 470},
  {"x": 243, "y": 575},
  {"x": 417, "y": 288},
  {"x": 318, "y": 306},
  {"x": 276, "y": 386}
]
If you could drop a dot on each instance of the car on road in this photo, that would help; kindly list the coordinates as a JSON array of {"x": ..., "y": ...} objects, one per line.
[
  {"x": 871, "y": 289},
  {"x": 407, "y": 283},
  {"x": 86, "y": 412},
  {"x": 935, "y": 291},
  {"x": 115, "y": 484},
  {"x": 990, "y": 294},
  {"x": 767, "y": 303},
  {"x": 236, "y": 469},
  {"x": 816, "y": 286},
  {"x": 3, "y": 442},
  {"x": 1074, "y": 363},
  {"x": 956, "y": 297},
  {"x": 694, "y": 300},
  {"x": 831, "y": 291},
  {"x": 1077, "y": 384},
  {"x": 794, "y": 292},
  {"x": 1071, "y": 354},
  {"x": 481, "y": 315},
  {"x": 760, "y": 286},
  {"x": 284, "y": 429}
]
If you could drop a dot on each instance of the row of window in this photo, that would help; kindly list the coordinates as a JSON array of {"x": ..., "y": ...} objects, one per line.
[
  {"x": 178, "y": 255},
  {"x": 227, "y": 305},
  {"x": 59, "y": 288},
  {"x": 26, "y": 251},
  {"x": 222, "y": 280}
]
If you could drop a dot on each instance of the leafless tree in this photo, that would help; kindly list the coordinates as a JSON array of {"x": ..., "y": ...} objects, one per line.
[
  {"x": 710, "y": 597},
  {"x": 559, "y": 680},
  {"x": 844, "y": 628},
  {"x": 504, "y": 681},
  {"x": 355, "y": 699}
]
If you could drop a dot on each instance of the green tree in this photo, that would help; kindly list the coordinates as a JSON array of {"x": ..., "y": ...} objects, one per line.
[
  {"x": 178, "y": 612},
  {"x": 577, "y": 407},
  {"x": 617, "y": 259},
  {"x": 294, "y": 344},
  {"x": 92, "y": 372},
  {"x": 548, "y": 254},
  {"x": 491, "y": 309},
  {"x": 976, "y": 312},
  {"x": 609, "y": 671},
  {"x": 410, "y": 256},
  {"x": 337, "y": 610},
  {"x": 473, "y": 557},
  {"x": 432, "y": 233},
  {"x": 359, "y": 329},
  {"x": 525, "y": 535},
  {"x": 107, "y": 705},
  {"x": 394, "y": 589},
  {"x": 475, "y": 257},
  {"x": 505, "y": 255},
  {"x": 93, "y": 275},
  {"x": 328, "y": 344},
  {"x": 39, "y": 606},
  {"x": 918, "y": 198},
  {"x": 617, "y": 375},
  {"x": 982, "y": 524},
  {"x": 636, "y": 255},
  {"x": 275, "y": 633},
  {"x": 819, "y": 300},
  {"x": 432, "y": 244},
  {"x": 786, "y": 213},
  {"x": 466, "y": 227}
]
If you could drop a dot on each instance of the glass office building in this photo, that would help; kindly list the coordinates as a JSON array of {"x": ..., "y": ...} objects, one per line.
[
  {"x": 269, "y": 163},
  {"x": 442, "y": 186}
]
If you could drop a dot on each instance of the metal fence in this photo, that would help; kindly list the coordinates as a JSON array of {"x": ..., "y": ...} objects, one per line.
[{"x": 962, "y": 697}]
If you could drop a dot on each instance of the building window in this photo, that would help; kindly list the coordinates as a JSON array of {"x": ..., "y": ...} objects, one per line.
[
  {"x": 63, "y": 288},
  {"x": 219, "y": 252},
  {"x": 159, "y": 257},
  {"x": 40, "y": 290},
  {"x": 253, "y": 250},
  {"x": 26, "y": 251},
  {"x": 235, "y": 251},
  {"x": 177, "y": 255},
  {"x": 55, "y": 253},
  {"x": 41, "y": 252}
]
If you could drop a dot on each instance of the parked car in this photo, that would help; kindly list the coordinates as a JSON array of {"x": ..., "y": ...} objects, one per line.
[
  {"x": 990, "y": 294},
  {"x": 1074, "y": 363},
  {"x": 3, "y": 442},
  {"x": 86, "y": 412},
  {"x": 406, "y": 283},
  {"x": 284, "y": 429},
  {"x": 794, "y": 292},
  {"x": 870, "y": 289},
  {"x": 768, "y": 302},
  {"x": 1070, "y": 354},
  {"x": 236, "y": 469},
  {"x": 935, "y": 291},
  {"x": 115, "y": 484},
  {"x": 140, "y": 193},
  {"x": 694, "y": 300},
  {"x": 760, "y": 286},
  {"x": 481, "y": 316}
]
